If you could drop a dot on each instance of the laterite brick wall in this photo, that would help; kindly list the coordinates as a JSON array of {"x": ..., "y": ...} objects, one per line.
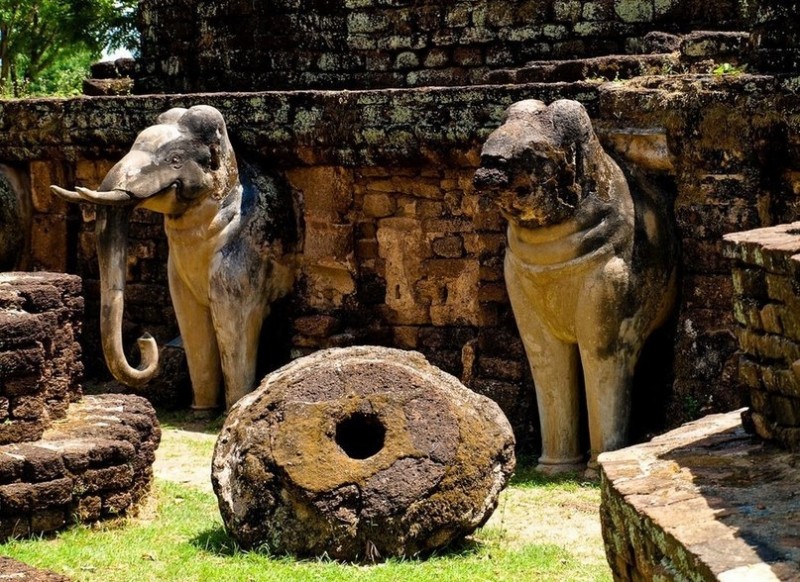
[{"x": 356, "y": 44}]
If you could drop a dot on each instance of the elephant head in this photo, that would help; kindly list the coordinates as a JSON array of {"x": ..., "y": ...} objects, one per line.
[
  {"x": 539, "y": 164},
  {"x": 172, "y": 166}
]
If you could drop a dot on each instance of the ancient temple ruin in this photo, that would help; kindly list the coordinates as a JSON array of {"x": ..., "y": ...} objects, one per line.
[{"x": 373, "y": 114}]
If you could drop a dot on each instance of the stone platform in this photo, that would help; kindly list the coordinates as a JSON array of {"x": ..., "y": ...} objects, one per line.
[{"x": 706, "y": 501}]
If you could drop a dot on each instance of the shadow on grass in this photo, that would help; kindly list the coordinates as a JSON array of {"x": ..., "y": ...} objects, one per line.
[
  {"x": 188, "y": 420},
  {"x": 526, "y": 475},
  {"x": 216, "y": 541}
]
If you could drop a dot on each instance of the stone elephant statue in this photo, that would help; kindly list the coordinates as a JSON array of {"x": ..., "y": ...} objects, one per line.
[
  {"x": 226, "y": 263},
  {"x": 15, "y": 219},
  {"x": 589, "y": 267}
]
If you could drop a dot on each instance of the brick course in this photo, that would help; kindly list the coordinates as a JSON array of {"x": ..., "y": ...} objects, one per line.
[{"x": 766, "y": 305}]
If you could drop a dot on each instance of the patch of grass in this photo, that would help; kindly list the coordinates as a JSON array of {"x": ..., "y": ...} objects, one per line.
[
  {"x": 191, "y": 421},
  {"x": 545, "y": 528},
  {"x": 179, "y": 537},
  {"x": 728, "y": 69},
  {"x": 526, "y": 476}
]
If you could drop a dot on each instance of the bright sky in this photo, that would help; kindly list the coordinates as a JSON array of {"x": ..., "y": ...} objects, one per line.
[{"x": 117, "y": 54}]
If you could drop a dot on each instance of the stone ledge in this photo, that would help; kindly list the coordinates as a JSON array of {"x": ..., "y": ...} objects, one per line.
[{"x": 706, "y": 501}]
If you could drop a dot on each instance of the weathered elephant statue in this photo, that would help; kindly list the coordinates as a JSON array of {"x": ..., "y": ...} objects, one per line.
[
  {"x": 226, "y": 264},
  {"x": 15, "y": 219},
  {"x": 590, "y": 270}
]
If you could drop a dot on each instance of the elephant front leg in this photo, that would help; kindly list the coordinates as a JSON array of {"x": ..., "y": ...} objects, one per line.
[
  {"x": 238, "y": 327},
  {"x": 554, "y": 365},
  {"x": 199, "y": 343}
]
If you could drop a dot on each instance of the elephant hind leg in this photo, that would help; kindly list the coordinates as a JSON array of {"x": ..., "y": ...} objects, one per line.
[{"x": 608, "y": 399}]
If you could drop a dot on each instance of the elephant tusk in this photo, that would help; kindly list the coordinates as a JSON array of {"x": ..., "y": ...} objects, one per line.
[
  {"x": 107, "y": 197},
  {"x": 67, "y": 195}
]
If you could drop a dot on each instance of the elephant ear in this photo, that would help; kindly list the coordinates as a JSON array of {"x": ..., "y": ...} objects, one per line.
[
  {"x": 579, "y": 141},
  {"x": 171, "y": 116},
  {"x": 572, "y": 122}
]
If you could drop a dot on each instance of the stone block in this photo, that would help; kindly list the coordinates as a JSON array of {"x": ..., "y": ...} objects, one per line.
[
  {"x": 327, "y": 286},
  {"x": 632, "y": 11},
  {"x": 316, "y": 325},
  {"x": 702, "y": 502},
  {"x": 327, "y": 190},
  {"x": 448, "y": 247},
  {"x": 328, "y": 244},
  {"x": 107, "y": 479},
  {"x": 49, "y": 242},
  {"x": 402, "y": 246},
  {"x": 379, "y": 205},
  {"x": 43, "y": 174},
  {"x": 750, "y": 282}
]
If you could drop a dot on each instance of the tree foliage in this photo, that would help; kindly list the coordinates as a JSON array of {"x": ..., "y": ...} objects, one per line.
[{"x": 38, "y": 35}]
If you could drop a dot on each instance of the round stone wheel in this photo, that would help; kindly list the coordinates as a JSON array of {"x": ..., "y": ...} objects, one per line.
[{"x": 360, "y": 453}]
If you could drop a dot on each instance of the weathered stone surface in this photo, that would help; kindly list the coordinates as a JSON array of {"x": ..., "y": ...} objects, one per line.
[
  {"x": 609, "y": 68},
  {"x": 358, "y": 453},
  {"x": 95, "y": 463},
  {"x": 582, "y": 297},
  {"x": 775, "y": 37},
  {"x": 40, "y": 358},
  {"x": 378, "y": 43},
  {"x": 99, "y": 87},
  {"x": 15, "y": 218},
  {"x": 703, "y": 502},
  {"x": 722, "y": 46},
  {"x": 766, "y": 303}
]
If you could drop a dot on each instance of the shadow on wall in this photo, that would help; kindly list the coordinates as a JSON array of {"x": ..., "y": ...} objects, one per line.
[
  {"x": 654, "y": 373},
  {"x": 15, "y": 219}
]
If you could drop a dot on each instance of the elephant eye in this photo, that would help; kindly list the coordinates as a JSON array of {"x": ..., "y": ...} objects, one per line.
[{"x": 176, "y": 160}]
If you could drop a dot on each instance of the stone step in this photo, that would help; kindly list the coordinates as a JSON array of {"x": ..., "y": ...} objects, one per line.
[
  {"x": 704, "y": 502},
  {"x": 609, "y": 68},
  {"x": 661, "y": 54},
  {"x": 95, "y": 463}
]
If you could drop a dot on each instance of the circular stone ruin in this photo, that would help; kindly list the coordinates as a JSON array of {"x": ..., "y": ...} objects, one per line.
[
  {"x": 64, "y": 457},
  {"x": 359, "y": 453}
]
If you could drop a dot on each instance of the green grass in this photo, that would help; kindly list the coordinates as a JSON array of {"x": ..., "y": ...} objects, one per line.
[
  {"x": 179, "y": 537},
  {"x": 183, "y": 540}
]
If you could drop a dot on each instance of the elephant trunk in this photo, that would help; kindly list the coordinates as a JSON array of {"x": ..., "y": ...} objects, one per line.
[{"x": 112, "y": 251}]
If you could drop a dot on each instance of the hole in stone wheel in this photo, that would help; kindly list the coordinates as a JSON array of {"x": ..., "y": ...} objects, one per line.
[{"x": 360, "y": 435}]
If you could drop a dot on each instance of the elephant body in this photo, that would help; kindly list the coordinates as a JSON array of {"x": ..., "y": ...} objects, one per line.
[
  {"x": 222, "y": 281},
  {"x": 589, "y": 268},
  {"x": 227, "y": 262}
]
